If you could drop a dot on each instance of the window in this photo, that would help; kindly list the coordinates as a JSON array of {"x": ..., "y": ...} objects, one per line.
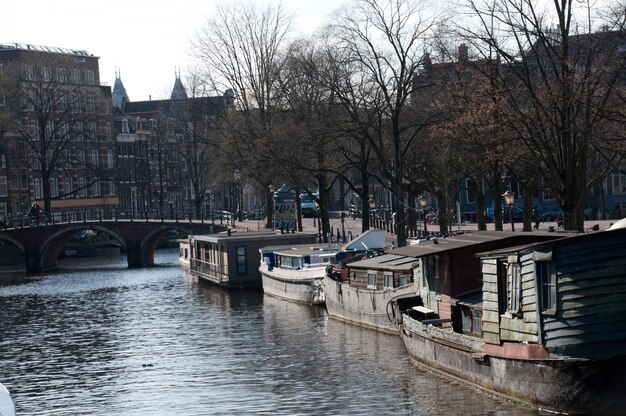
[
  {"x": 75, "y": 76},
  {"x": 93, "y": 132},
  {"x": 91, "y": 105},
  {"x": 471, "y": 321},
  {"x": 371, "y": 279},
  {"x": 36, "y": 163},
  {"x": 30, "y": 72},
  {"x": 388, "y": 280},
  {"x": 546, "y": 278},
  {"x": 49, "y": 129},
  {"x": 107, "y": 130},
  {"x": 80, "y": 158},
  {"x": 94, "y": 157},
  {"x": 2, "y": 99},
  {"x": 38, "y": 190},
  {"x": 69, "y": 186},
  {"x": 514, "y": 282},
  {"x": 110, "y": 159},
  {"x": 242, "y": 267},
  {"x": 82, "y": 185},
  {"x": 111, "y": 188},
  {"x": 3, "y": 186},
  {"x": 62, "y": 75},
  {"x": 3, "y": 210},
  {"x": 79, "y": 130},
  {"x": 96, "y": 188},
  {"x": 3, "y": 161},
  {"x": 46, "y": 73},
  {"x": 54, "y": 187},
  {"x": 90, "y": 77}
]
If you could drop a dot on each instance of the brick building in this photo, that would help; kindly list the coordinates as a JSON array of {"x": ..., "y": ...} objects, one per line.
[{"x": 56, "y": 133}]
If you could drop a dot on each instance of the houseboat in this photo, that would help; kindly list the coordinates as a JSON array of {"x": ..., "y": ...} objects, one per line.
[
  {"x": 296, "y": 272},
  {"x": 374, "y": 292},
  {"x": 368, "y": 292},
  {"x": 230, "y": 259},
  {"x": 547, "y": 327},
  {"x": 184, "y": 254}
]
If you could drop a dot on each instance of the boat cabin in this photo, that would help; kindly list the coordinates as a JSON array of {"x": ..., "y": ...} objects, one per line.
[
  {"x": 231, "y": 259},
  {"x": 448, "y": 274},
  {"x": 561, "y": 298}
]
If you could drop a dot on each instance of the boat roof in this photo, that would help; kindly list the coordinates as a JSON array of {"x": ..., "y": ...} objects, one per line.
[
  {"x": 455, "y": 242},
  {"x": 249, "y": 235},
  {"x": 386, "y": 262},
  {"x": 369, "y": 239},
  {"x": 565, "y": 238},
  {"x": 299, "y": 250}
]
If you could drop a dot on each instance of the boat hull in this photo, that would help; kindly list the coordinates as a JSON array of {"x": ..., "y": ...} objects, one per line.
[
  {"x": 303, "y": 289},
  {"x": 560, "y": 384},
  {"x": 364, "y": 307}
]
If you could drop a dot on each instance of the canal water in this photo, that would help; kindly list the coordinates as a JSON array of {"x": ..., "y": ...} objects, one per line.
[{"x": 94, "y": 339}]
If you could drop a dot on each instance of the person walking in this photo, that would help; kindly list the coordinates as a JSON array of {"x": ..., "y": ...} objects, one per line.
[{"x": 536, "y": 218}]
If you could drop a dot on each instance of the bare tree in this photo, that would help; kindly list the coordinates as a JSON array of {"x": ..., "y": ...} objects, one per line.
[
  {"x": 562, "y": 90},
  {"x": 386, "y": 38},
  {"x": 239, "y": 49}
]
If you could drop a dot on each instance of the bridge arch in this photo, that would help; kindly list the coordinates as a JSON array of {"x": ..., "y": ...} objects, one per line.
[
  {"x": 149, "y": 243},
  {"x": 53, "y": 244}
]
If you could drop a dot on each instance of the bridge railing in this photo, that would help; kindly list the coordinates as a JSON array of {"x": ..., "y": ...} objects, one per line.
[{"x": 73, "y": 215}]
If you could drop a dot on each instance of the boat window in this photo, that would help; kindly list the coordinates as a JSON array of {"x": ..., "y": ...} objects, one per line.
[
  {"x": 546, "y": 277},
  {"x": 371, "y": 279},
  {"x": 388, "y": 280},
  {"x": 404, "y": 280},
  {"x": 242, "y": 267},
  {"x": 514, "y": 283},
  {"x": 471, "y": 320}
]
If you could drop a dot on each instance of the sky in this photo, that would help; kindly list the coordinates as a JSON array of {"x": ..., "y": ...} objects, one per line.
[{"x": 146, "y": 40}]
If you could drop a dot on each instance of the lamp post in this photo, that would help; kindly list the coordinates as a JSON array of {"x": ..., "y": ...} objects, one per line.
[
  {"x": 509, "y": 198},
  {"x": 423, "y": 201},
  {"x": 372, "y": 204},
  {"x": 237, "y": 197}
]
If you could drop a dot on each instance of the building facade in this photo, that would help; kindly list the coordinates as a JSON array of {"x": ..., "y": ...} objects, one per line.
[{"x": 56, "y": 134}]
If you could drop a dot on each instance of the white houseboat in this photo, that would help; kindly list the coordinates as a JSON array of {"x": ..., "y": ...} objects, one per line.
[{"x": 296, "y": 272}]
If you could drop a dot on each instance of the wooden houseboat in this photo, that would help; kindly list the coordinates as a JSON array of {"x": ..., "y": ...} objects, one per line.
[
  {"x": 366, "y": 292},
  {"x": 231, "y": 260},
  {"x": 184, "y": 254},
  {"x": 548, "y": 327},
  {"x": 374, "y": 292},
  {"x": 296, "y": 272}
]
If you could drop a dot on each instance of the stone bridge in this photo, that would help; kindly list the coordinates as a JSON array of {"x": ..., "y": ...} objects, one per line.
[{"x": 42, "y": 244}]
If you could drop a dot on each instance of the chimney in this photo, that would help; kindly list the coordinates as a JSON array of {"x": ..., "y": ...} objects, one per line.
[{"x": 463, "y": 53}]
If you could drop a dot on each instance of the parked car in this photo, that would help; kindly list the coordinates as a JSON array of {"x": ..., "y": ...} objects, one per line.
[{"x": 308, "y": 206}]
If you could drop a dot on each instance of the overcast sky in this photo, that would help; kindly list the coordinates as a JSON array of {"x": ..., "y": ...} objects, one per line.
[{"x": 145, "y": 39}]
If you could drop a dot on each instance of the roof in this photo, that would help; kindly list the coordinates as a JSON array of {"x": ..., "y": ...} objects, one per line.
[
  {"x": 49, "y": 49},
  {"x": 565, "y": 239},
  {"x": 386, "y": 261},
  {"x": 453, "y": 243},
  {"x": 298, "y": 250},
  {"x": 251, "y": 235}
]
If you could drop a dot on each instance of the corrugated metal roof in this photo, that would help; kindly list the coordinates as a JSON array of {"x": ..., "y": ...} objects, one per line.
[
  {"x": 451, "y": 243},
  {"x": 385, "y": 261}
]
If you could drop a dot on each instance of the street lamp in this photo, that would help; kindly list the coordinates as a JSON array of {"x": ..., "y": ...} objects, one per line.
[
  {"x": 509, "y": 198},
  {"x": 423, "y": 201},
  {"x": 372, "y": 204},
  {"x": 237, "y": 197}
]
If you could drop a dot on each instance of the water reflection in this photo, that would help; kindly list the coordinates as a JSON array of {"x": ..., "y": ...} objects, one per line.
[{"x": 111, "y": 340}]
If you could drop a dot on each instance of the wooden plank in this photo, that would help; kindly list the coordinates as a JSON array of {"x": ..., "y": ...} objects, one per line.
[
  {"x": 490, "y": 287},
  {"x": 518, "y": 325},
  {"x": 490, "y": 306},
  {"x": 490, "y": 297},
  {"x": 491, "y": 316},
  {"x": 491, "y": 338},
  {"x": 506, "y": 335},
  {"x": 493, "y": 327}
]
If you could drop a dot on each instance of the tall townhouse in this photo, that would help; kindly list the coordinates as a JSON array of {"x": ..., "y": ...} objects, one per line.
[
  {"x": 56, "y": 133},
  {"x": 165, "y": 153}
]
